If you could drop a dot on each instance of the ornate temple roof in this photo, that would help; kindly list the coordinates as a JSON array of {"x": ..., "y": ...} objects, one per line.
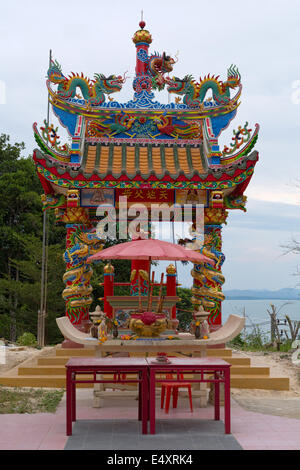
[
  {"x": 125, "y": 166},
  {"x": 144, "y": 143}
]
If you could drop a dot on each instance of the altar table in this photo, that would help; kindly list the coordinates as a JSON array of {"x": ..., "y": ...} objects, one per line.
[
  {"x": 99, "y": 368},
  {"x": 204, "y": 370},
  {"x": 208, "y": 369}
]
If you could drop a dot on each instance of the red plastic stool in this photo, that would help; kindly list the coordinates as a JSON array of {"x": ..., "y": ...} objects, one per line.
[
  {"x": 168, "y": 387},
  {"x": 123, "y": 377}
]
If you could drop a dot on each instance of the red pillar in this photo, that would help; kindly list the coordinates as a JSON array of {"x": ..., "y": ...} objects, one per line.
[
  {"x": 108, "y": 288},
  {"x": 171, "y": 286},
  {"x": 142, "y": 39}
]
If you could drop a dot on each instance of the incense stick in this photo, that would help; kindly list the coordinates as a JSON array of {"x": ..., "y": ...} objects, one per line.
[
  {"x": 149, "y": 307},
  {"x": 160, "y": 306},
  {"x": 140, "y": 298}
]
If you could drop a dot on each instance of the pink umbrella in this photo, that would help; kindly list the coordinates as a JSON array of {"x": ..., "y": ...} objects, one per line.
[{"x": 150, "y": 249}]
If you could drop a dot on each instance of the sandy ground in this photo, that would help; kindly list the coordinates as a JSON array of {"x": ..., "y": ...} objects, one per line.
[
  {"x": 280, "y": 366},
  {"x": 279, "y": 403},
  {"x": 16, "y": 355},
  {"x": 272, "y": 402}
]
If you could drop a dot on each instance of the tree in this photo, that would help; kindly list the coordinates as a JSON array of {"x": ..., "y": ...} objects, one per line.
[
  {"x": 293, "y": 247},
  {"x": 184, "y": 308},
  {"x": 294, "y": 326},
  {"x": 21, "y": 245},
  {"x": 20, "y": 218}
]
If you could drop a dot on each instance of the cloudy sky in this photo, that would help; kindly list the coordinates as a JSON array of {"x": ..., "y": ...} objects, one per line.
[{"x": 261, "y": 37}]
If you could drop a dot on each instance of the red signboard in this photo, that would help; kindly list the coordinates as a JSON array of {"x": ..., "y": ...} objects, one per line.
[{"x": 146, "y": 196}]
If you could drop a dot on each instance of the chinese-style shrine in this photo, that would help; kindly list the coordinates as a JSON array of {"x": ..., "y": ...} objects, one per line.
[{"x": 149, "y": 152}]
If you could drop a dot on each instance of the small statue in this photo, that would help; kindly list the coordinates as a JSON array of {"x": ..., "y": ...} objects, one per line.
[
  {"x": 200, "y": 326},
  {"x": 204, "y": 330},
  {"x": 197, "y": 330},
  {"x": 96, "y": 317},
  {"x": 102, "y": 329},
  {"x": 115, "y": 331}
]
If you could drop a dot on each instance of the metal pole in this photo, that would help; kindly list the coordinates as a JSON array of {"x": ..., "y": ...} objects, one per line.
[
  {"x": 43, "y": 303},
  {"x": 46, "y": 274},
  {"x": 41, "y": 312}
]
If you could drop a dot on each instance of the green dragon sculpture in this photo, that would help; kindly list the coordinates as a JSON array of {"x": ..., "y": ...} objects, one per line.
[
  {"x": 93, "y": 91},
  {"x": 208, "y": 280},
  {"x": 235, "y": 202},
  {"x": 194, "y": 93},
  {"x": 53, "y": 201},
  {"x": 77, "y": 292}
]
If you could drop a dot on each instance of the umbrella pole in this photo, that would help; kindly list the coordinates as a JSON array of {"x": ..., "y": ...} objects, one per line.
[
  {"x": 149, "y": 308},
  {"x": 140, "y": 298},
  {"x": 149, "y": 283}
]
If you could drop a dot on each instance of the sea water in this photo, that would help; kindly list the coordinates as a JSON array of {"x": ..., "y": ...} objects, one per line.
[{"x": 256, "y": 313}]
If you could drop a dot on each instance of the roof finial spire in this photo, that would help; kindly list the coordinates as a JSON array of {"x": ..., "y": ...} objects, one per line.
[{"x": 142, "y": 23}]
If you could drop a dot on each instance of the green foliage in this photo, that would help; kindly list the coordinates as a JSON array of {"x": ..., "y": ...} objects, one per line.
[
  {"x": 255, "y": 340},
  {"x": 184, "y": 308},
  {"x": 21, "y": 222},
  {"x": 27, "y": 339},
  {"x": 237, "y": 342},
  {"x": 21, "y": 226}
]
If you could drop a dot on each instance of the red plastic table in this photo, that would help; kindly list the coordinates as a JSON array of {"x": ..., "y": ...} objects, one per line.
[
  {"x": 77, "y": 367},
  {"x": 208, "y": 369}
]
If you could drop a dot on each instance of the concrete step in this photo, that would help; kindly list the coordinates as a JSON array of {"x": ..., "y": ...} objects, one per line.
[
  {"x": 69, "y": 352},
  {"x": 61, "y": 370},
  {"x": 219, "y": 352},
  {"x": 263, "y": 382},
  {"x": 62, "y": 360},
  {"x": 49, "y": 371},
  {"x": 54, "y": 381}
]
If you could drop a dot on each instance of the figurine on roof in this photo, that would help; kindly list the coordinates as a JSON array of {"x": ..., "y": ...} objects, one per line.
[
  {"x": 150, "y": 69},
  {"x": 93, "y": 91}
]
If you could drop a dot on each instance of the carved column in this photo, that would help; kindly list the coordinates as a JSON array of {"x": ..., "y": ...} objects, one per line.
[
  {"x": 108, "y": 288},
  {"x": 208, "y": 280},
  {"x": 80, "y": 244}
]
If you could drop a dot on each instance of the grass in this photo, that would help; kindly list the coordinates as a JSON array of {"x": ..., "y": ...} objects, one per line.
[
  {"x": 29, "y": 400},
  {"x": 256, "y": 341}
]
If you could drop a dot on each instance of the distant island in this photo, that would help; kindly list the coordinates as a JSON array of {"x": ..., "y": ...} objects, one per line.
[{"x": 281, "y": 294}]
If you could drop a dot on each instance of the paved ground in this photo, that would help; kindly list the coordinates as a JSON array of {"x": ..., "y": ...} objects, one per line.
[
  {"x": 250, "y": 430},
  {"x": 175, "y": 434}
]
